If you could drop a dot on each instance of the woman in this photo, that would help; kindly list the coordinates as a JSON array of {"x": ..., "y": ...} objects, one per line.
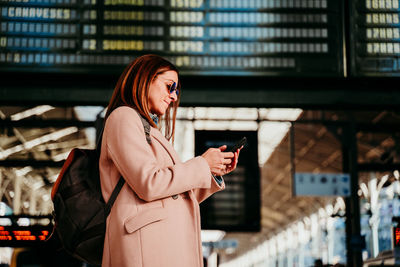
[{"x": 155, "y": 220}]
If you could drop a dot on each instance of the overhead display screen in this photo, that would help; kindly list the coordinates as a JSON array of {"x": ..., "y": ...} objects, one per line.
[
  {"x": 20, "y": 236},
  {"x": 238, "y": 206},
  {"x": 376, "y": 33},
  {"x": 396, "y": 237},
  {"x": 202, "y": 37}
]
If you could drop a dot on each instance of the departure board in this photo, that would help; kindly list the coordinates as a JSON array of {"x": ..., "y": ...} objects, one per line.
[
  {"x": 396, "y": 237},
  {"x": 202, "y": 37},
  {"x": 238, "y": 206},
  {"x": 20, "y": 236},
  {"x": 376, "y": 33}
]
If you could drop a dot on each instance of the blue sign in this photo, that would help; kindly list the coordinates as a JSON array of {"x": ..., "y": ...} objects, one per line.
[{"x": 321, "y": 184}]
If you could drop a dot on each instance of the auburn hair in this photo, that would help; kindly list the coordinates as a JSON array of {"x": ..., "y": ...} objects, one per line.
[{"x": 133, "y": 86}]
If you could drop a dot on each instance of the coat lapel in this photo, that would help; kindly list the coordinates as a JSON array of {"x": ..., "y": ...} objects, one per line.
[
  {"x": 167, "y": 145},
  {"x": 170, "y": 149}
]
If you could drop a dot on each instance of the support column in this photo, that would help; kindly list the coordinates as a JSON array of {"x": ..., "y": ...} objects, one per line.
[
  {"x": 17, "y": 195},
  {"x": 353, "y": 226},
  {"x": 212, "y": 260},
  {"x": 33, "y": 202},
  {"x": 331, "y": 238},
  {"x": 374, "y": 220},
  {"x": 1, "y": 183}
]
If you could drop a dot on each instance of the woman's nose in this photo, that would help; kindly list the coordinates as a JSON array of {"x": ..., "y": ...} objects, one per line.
[{"x": 173, "y": 96}]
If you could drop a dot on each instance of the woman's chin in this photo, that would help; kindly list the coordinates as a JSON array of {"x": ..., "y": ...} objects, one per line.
[
  {"x": 163, "y": 111},
  {"x": 160, "y": 112}
]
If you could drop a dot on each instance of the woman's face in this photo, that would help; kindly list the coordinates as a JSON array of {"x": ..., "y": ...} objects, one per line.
[{"x": 159, "y": 92}]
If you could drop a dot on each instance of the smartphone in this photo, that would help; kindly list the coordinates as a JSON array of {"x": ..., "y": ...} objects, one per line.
[{"x": 238, "y": 145}]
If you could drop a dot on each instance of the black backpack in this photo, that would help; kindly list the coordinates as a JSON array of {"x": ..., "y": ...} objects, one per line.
[{"x": 80, "y": 211}]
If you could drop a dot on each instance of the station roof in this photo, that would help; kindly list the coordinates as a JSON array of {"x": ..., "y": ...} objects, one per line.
[
  {"x": 46, "y": 134},
  {"x": 318, "y": 149}
]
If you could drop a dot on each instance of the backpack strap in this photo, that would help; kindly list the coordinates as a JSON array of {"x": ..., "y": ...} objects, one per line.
[
  {"x": 121, "y": 181},
  {"x": 147, "y": 127},
  {"x": 113, "y": 196}
]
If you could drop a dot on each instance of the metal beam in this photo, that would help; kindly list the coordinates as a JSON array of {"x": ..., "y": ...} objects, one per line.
[
  {"x": 42, "y": 123},
  {"x": 277, "y": 216},
  {"x": 214, "y": 97},
  {"x": 268, "y": 223},
  {"x": 368, "y": 167},
  {"x": 322, "y": 93},
  {"x": 30, "y": 162},
  {"x": 360, "y": 127}
]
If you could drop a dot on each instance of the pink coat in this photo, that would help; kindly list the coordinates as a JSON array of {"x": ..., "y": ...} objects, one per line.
[{"x": 155, "y": 220}]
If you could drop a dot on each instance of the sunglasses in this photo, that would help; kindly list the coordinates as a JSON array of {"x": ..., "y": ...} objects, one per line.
[{"x": 173, "y": 88}]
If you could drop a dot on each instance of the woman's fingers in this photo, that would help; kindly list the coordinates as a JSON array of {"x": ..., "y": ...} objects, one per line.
[
  {"x": 222, "y": 148},
  {"x": 227, "y": 161},
  {"x": 225, "y": 154},
  {"x": 231, "y": 166},
  {"x": 236, "y": 159},
  {"x": 221, "y": 162},
  {"x": 234, "y": 162}
]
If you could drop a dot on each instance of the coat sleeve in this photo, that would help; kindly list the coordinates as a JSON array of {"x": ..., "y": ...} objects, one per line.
[
  {"x": 203, "y": 193},
  {"x": 133, "y": 156}
]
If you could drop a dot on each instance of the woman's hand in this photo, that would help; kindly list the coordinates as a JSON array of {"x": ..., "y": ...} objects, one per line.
[
  {"x": 221, "y": 162},
  {"x": 232, "y": 166}
]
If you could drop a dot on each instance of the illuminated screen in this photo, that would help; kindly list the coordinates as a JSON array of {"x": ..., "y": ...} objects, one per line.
[
  {"x": 237, "y": 207},
  {"x": 377, "y": 34},
  {"x": 202, "y": 37},
  {"x": 396, "y": 237},
  {"x": 20, "y": 236}
]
